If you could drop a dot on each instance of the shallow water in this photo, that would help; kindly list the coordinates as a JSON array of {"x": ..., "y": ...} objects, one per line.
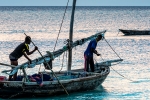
[{"x": 43, "y": 24}]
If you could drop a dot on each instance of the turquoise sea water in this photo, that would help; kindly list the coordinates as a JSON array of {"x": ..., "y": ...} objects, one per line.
[{"x": 43, "y": 24}]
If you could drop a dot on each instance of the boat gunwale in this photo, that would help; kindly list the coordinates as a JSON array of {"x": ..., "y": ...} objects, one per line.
[{"x": 92, "y": 77}]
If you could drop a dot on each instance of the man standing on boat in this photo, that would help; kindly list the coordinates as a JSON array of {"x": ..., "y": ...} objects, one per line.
[
  {"x": 88, "y": 54},
  {"x": 22, "y": 49}
]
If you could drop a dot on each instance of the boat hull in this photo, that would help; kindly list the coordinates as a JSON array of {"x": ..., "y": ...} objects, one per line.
[
  {"x": 51, "y": 88},
  {"x": 70, "y": 86},
  {"x": 135, "y": 32}
]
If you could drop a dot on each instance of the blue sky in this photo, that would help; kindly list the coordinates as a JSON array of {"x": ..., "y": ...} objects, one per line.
[{"x": 79, "y": 2}]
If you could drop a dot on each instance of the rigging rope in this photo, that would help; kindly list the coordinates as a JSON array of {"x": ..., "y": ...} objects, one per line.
[
  {"x": 62, "y": 62},
  {"x": 61, "y": 25},
  {"x": 111, "y": 47},
  {"x": 66, "y": 43},
  {"x": 118, "y": 72},
  {"x": 115, "y": 64},
  {"x": 122, "y": 75}
]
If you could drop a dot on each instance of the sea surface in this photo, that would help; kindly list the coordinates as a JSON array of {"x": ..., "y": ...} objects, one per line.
[{"x": 130, "y": 79}]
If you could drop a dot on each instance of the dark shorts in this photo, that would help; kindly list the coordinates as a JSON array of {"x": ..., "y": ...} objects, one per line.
[{"x": 12, "y": 58}]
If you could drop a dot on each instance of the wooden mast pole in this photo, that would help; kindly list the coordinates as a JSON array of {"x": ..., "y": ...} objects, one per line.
[{"x": 71, "y": 37}]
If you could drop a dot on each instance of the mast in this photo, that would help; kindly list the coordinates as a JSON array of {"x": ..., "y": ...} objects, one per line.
[{"x": 71, "y": 37}]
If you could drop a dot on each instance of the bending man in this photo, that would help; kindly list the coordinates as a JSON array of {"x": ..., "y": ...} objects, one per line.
[{"x": 22, "y": 49}]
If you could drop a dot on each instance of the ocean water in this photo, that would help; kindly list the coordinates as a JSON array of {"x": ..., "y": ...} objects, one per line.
[{"x": 43, "y": 25}]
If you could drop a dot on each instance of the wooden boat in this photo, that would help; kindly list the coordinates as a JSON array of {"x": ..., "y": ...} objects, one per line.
[
  {"x": 135, "y": 32},
  {"x": 55, "y": 83},
  {"x": 73, "y": 81}
]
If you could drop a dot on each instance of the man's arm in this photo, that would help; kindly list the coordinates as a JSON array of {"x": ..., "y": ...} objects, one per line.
[
  {"x": 27, "y": 57},
  {"x": 95, "y": 51},
  {"x": 29, "y": 53}
]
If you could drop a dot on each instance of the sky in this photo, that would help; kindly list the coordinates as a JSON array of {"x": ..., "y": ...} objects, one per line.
[{"x": 79, "y": 2}]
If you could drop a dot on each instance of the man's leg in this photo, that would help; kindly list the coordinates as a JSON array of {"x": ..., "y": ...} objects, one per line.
[
  {"x": 86, "y": 63},
  {"x": 15, "y": 63},
  {"x": 92, "y": 64}
]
